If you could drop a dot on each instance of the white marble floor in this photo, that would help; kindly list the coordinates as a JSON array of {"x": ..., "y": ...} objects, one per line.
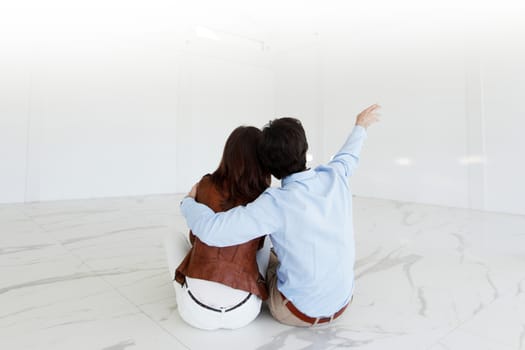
[{"x": 91, "y": 274}]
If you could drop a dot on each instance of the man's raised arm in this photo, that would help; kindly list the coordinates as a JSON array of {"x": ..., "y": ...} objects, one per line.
[
  {"x": 235, "y": 226},
  {"x": 346, "y": 160}
]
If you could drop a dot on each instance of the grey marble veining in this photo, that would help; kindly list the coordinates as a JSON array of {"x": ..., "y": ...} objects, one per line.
[
  {"x": 91, "y": 274},
  {"x": 121, "y": 345},
  {"x": 321, "y": 338},
  {"x": 17, "y": 249},
  {"x": 113, "y": 232}
]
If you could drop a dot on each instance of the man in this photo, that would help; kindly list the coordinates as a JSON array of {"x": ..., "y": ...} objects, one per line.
[{"x": 308, "y": 218}]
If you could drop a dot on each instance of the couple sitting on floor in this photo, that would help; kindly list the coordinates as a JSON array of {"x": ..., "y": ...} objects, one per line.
[{"x": 226, "y": 269}]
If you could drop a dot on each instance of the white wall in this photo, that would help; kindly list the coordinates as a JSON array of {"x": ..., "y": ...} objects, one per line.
[
  {"x": 503, "y": 86},
  {"x": 102, "y": 120},
  {"x": 413, "y": 153},
  {"x": 299, "y": 94},
  {"x": 14, "y": 83},
  {"x": 452, "y": 118},
  {"x": 217, "y": 95},
  {"x": 100, "y": 99}
]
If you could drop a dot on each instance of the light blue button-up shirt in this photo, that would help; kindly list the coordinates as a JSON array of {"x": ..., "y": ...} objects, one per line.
[{"x": 309, "y": 220}]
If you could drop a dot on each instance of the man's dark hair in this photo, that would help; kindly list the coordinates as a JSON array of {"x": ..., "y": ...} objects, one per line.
[{"x": 283, "y": 147}]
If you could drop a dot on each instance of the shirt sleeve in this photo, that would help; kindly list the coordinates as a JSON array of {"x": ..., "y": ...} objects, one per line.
[
  {"x": 235, "y": 226},
  {"x": 345, "y": 161}
]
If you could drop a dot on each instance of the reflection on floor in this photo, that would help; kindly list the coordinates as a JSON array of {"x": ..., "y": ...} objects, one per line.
[{"x": 91, "y": 274}]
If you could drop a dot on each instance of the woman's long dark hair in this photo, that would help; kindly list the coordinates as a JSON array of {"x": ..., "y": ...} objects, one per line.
[{"x": 240, "y": 173}]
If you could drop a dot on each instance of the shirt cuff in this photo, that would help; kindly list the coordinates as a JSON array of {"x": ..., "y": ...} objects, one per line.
[
  {"x": 185, "y": 200},
  {"x": 360, "y": 131}
]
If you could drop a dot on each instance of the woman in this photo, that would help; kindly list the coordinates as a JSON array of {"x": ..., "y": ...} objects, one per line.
[{"x": 223, "y": 287}]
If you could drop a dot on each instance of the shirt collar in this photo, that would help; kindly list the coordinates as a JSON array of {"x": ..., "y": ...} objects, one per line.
[{"x": 302, "y": 175}]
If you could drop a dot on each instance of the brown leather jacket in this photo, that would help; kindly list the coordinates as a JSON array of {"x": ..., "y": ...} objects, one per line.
[{"x": 234, "y": 266}]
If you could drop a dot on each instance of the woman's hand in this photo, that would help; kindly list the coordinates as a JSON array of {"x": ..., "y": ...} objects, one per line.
[{"x": 368, "y": 116}]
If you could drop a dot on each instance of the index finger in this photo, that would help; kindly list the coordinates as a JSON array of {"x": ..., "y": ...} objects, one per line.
[{"x": 372, "y": 107}]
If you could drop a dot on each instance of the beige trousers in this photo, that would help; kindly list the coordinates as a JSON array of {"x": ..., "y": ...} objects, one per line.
[{"x": 276, "y": 303}]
